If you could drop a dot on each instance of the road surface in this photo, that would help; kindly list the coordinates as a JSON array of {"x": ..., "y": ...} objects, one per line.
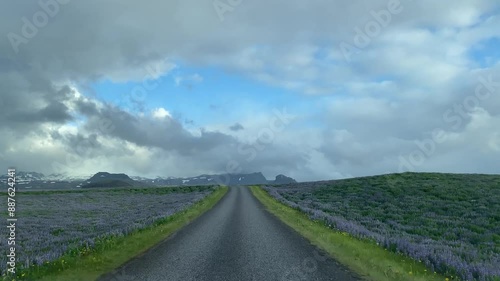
[{"x": 236, "y": 240}]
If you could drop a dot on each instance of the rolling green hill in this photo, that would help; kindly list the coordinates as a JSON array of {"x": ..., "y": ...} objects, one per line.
[{"x": 451, "y": 222}]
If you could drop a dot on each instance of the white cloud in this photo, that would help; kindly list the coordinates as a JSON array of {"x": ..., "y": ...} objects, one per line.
[
  {"x": 494, "y": 142},
  {"x": 142, "y": 71},
  {"x": 161, "y": 113},
  {"x": 189, "y": 79}
]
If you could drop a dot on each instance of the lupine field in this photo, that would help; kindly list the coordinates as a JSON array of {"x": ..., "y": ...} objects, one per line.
[
  {"x": 54, "y": 222},
  {"x": 450, "y": 222}
]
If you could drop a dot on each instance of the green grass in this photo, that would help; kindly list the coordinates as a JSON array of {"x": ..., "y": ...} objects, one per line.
[
  {"x": 111, "y": 252},
  {"x": 369, "y": 260}
]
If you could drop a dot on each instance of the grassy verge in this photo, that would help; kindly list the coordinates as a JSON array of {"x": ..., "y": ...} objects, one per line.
[
  {"x": 111, "y": 252},
  {"x": 363, "y": 257}
]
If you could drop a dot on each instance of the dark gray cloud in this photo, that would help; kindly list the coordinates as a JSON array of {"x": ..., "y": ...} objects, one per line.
[
  {"x": 30, "y": 99},
  {"x": 236, "y": 127},
  {"x": 167, "y": 134}
]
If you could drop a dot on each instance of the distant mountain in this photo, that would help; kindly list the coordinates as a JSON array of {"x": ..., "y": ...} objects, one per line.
[
  {"x": 64, "y": 177},
  {"x": 137, "y": 178},
  {"x": 282, "y": 179},
  {"x": 242, "y": 179},
  {"x": 223, "y": 179},
  {"x": 25, "y": 176},
  {"x": 34, "y": 176},
  {"x": 34, "y": 180},
  {"x": 104, "y": 179}
]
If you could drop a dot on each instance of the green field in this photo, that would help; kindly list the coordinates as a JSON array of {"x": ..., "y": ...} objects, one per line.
[
  {"x": 110, "y": 251},
  {"x": 448, "y": 222}
]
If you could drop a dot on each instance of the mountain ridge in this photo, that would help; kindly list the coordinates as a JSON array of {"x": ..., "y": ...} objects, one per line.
[{"x": 105, "y": 179}]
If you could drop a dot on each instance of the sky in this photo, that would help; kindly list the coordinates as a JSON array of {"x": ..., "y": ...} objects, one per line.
[{"x": 314, "y": 89}]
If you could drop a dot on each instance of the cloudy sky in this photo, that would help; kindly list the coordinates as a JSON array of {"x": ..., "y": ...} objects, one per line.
[{"x": 312, "y": 89}]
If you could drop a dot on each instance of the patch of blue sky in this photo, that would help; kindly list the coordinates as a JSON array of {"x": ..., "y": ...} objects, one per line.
[
  {"x": 484, "y": 17},
  {"x": 385, "y": 78},
  {"x": 486, "y": 53},
  {"x": 220, "y": 97}
]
